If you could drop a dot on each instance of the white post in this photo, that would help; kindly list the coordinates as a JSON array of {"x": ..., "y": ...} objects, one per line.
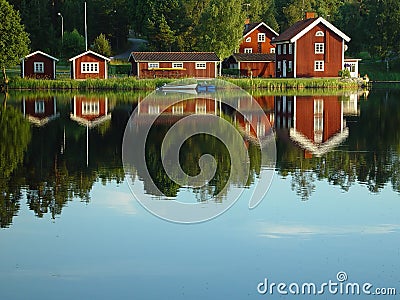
[{"x": 85, "y": 29}]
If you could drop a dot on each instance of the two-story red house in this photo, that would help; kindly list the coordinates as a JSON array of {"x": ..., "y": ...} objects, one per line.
[
  {"x": 310, "y": 48},
  {"x": 256, "y": 56}
]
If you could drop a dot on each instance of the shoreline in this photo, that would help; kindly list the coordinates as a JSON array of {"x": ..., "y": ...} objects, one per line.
[{"x": 133, "y": 84}]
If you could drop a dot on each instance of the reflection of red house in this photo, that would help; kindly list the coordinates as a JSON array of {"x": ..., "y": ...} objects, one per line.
[
  {"x": 39, "y": 111},
  {"x": 174, "y": 64},
  {"x": 89, "y": 65},
  {"x": 310, "y": 48},
  {"x": 90, "y": 110},
  {"x": 318, "y": 123},
  {"x": 39, "y": 65}
]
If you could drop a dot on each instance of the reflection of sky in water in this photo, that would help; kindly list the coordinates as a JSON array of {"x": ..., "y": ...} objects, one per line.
[{"x": 113, "y": 248}]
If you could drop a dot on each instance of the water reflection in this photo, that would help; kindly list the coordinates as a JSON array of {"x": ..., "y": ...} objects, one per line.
[{"x": 46, "y": 141}]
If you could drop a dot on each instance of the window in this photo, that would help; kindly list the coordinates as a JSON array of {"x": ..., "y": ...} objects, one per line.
[
  {"x": 318, "y": 65},
  {"x": 154, "y": 109},
  {"x": 90, "y": 108},
  {"x": 319, "y": 48},
  {"x": 319, "y": 33},
  {"x": 284, "y": 48},
  {"x": 290, "y": 48},
  {"x": 279, "y": 65},
  {"x": 272, "y": 50},
  {"x": 177, "y": 65},
  {"x": 177, "y": 109},
  {"x": 290, "y": 66},
  {"x": 260, "y": 129},
  {"x": 261, "y": 37},
  {"x": 248, "y": 50},
  {"x": 92, "y": 67},
  {"x": 201, "y": 108},
  {"x": 318, "y": 120},
  {"x": 201, "y": 65},
  {"x": 279, "y": 49},
  {"x": 248, "y": 40},
  {"x": 153, "y": 65},
  {"x": 38, "y": 67},
  {"x": 39, "y": 107}
]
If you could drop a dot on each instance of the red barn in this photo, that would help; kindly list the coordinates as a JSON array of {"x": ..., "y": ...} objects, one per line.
[
  {"x": 253, "y": 64},
  {"x": 174, "y": 64},
  {"x": 310, "y": 48},
  {"x": 89, "y": 65},
  {"x": 38, "y": 65},
  {"x": 257, "y": 38},
  {"x": 90, "y": 110},
  {"x": 40, "y": 110}
]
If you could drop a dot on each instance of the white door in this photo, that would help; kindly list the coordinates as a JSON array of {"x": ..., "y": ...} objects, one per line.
[{"x": 284, "y": 68}]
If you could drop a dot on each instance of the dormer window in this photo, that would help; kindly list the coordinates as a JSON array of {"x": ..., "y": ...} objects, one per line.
[
  {"x": 248, "y": 39},
  {"x": 319, "y": 33}
]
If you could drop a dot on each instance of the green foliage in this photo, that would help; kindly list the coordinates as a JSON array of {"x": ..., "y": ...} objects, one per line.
[
  {"x": 14, "y": 40},
  {"x": 102, "y": 46},
  {"x": 73, "y": 44},
  {"x": 345, "y": 73}
]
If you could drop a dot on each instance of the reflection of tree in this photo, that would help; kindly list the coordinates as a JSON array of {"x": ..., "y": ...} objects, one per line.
[{"x": 14, "y": 136}]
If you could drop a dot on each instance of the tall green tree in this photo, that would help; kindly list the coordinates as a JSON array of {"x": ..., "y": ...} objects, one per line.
[
  {"x": 14, "y": 40},
  {"x": 74, "y": 43},
  {"x": 221, "y": 27}
]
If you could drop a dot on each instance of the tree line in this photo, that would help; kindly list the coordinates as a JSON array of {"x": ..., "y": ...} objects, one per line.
[{"x": 205, "y": 25}]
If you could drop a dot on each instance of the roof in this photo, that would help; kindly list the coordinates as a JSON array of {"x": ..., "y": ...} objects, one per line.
[
  {"x": 42, "y": 53},
  {"x": 297, "y": 30},
  {"x": 173, "y": 56},
  {"x": 249, "y": 28},
  {"x": 89, "y": 52},
  {"x": 254, "y": 57}
]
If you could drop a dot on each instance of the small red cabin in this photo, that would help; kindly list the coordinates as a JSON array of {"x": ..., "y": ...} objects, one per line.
[
  {"x": 310, "y": 48},
  {"x": 90, "y": 110},
  {"x": 253, "y": 64},
  {"x": 257, "y": 38},
  {"x": 40, "y": 110},
  {"x": 38, "y": 65},
  {"x": 174, "y": 64},
  {"x": 89, "y": 65}
]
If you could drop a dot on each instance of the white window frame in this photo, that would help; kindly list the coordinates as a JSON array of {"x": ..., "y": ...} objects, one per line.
[
  {"x": 177, "y": 65},
  {"x": 248, "y": 39},
  {"x": 279, "y": 49},
  {"x": 290, "y": 66},
  {"x": 319, "y": 65},
  {"x": 201, "y": 65},
  {"x": 154, "y": 109},
  {"x": 272, "y": 50},
  {"x": 279, "y": 66},
  {"x": 261, "y": 37},
  {"x": 248, "y": 50},
  {"x": 201, "y": 108},
  {"x": 39, "y": 107},
  {"x": 90, "y": 108},
  {"x": 319, "y": 33},
  {"x": 177, "y": 109},
  {"x": 153, "y": 65},
  {"x": 284, "y": 49},
  {"x": 90, "y": 67},
  {"x": 38, "y": 67},
  {"x": 290, "y": 48},
  {"x": 319, "y": 48}
]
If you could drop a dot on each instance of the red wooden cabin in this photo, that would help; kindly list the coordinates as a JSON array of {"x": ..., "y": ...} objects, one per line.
[
  {"x": 310, "y": 48},
  {"x": 174, "y": 64},
  {"x": 253, "y": 64},
  {"x": 40, "y": 111},
  {"x": 90, "y": 110},
  {"x": 89, "y": 65},
  {"x": 38, "y": 65}
]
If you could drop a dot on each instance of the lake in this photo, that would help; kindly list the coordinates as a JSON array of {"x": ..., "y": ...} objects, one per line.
[{"x": 328, "y": 225}]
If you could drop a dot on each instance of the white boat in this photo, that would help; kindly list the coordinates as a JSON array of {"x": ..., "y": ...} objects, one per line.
[{"x": 174, "y": 87}]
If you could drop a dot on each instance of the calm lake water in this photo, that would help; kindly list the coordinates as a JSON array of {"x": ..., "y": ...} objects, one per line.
[{"x": 71, "y": 228}]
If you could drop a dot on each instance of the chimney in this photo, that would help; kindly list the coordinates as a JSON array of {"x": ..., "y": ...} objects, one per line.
[
  {"x": 310, "y": 15},
  {"x": 247, "y": 21}
]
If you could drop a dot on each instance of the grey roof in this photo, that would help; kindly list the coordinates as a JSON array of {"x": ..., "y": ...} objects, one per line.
[{"x": 173, "y": 56}]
